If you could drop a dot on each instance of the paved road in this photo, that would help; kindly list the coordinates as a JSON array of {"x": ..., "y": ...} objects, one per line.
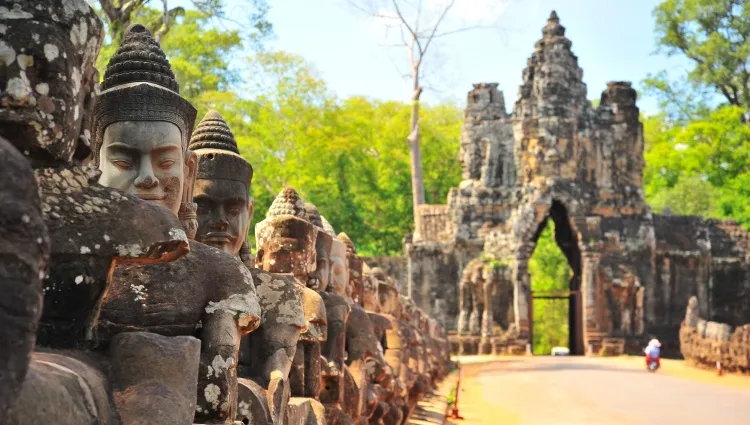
[{"x": 586, "y": 391}]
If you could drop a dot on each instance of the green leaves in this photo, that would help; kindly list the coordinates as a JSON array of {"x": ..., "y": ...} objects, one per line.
[
  {"x": 701, "y": 167},
  {"x": 549, "y": 272},
  {"x": 349, "y": 157},
  {"x": 715, "y": 36}
]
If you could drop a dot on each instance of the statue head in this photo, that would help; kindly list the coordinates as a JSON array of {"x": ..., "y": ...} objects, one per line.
[
  {"x": 339, "y": 268},
  {"x": 141, "y": 127},
  {"x": 339, "y": 283},
  {"x": 370, "y": 297},
  {"x": 318, "y": 279},
  {"x": 388, "y": 296},
  {"x": 48, "y": 76},
  {"x": 222, "y": 186},
  {"x": 354, "y": 288},
  {"x": 286, "y": 240}
]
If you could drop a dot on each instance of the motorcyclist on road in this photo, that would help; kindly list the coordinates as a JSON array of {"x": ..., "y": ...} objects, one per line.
[{"x": 652, "y": 352}]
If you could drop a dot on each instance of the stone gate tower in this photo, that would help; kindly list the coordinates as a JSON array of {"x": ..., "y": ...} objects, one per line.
[{"x": 556, "y": 157}]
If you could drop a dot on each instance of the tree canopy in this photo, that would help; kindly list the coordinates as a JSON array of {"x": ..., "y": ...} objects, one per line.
[{"x": 714, "y": 35}]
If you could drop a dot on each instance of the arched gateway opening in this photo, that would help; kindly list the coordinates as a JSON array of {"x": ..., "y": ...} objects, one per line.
[{"x": 557, "y": 297}]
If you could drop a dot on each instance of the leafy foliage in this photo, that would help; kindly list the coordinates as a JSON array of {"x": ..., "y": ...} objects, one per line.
[
  {"x": 348, "y": 157},
  {"x": 715, "y": 36},
  {"x": 701, "y": 167},
  {"x": 549, "y": 271}
]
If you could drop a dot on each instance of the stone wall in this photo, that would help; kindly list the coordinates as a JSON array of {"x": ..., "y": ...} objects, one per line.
[{"x": 706, "y": 343}]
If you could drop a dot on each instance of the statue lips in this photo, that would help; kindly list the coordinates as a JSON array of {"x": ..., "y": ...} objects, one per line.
[
  {"x": 151, "y": 196},
  {"x": 218, "y": 237}
]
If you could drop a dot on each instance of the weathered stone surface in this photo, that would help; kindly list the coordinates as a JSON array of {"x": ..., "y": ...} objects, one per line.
[
  {"x": 24, "y": 250},
  {"x": 153, "y": 374},
  {"x": 70, "y": 386},
  {"x": 714, "y": 342}
]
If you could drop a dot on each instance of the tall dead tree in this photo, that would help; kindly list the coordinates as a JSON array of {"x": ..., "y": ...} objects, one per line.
[{"x": 418, "y": 33}]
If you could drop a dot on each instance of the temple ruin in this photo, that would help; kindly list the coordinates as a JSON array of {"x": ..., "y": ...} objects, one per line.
[{"x": 555, "y": 157}]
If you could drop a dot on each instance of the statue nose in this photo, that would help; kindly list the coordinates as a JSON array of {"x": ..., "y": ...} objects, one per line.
[{"x": 146, "y": 178}]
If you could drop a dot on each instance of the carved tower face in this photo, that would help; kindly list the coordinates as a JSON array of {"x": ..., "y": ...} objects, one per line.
[
  {"x": 354, "y": 287},
  {"x": 142, "y": 125},
  {"x": 48, "y": 75},
  {"x": 223, "y": 179}
]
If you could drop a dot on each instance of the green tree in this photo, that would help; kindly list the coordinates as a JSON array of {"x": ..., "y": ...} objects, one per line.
[
  {"x": 160, "y": 17},
  {"x": 699, "y": 167},
  {"x": 549, "y": 271},
  {"x": 714, "y": 35}
]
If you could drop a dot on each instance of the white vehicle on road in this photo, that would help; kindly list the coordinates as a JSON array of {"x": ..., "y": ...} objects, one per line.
[{"x": 560, "y": 351}]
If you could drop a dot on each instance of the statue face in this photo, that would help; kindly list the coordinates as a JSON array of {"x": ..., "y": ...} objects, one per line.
[
  {"x": 370, "y": 297},
  {"x": 145, "y": 159},
  {"x": 339, "y": 269},
  {"x": 389, "y": 300},
  {"x": 224, "y": 213},
  {"x": 319, "y": 279}
]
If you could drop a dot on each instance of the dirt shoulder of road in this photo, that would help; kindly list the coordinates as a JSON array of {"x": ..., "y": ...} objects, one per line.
[{"x": 473, "y": 406}]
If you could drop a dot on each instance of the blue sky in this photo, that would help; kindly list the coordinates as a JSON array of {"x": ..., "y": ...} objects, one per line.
[{"x": 613, "y": 39}]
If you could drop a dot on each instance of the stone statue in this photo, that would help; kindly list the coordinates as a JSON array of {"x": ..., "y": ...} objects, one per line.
[
  {"x": 416, "y": 384},
  {"x": 398, "y": 337},
  {"x": 24, "y": 252},
  {"x": 286, "y": 245},
  {"x": 337, "y": 313},
  {"x": 45, "y": 110},
  {"x": 141, "y": 128},
  {"x": 692, "y": 316},
  {"x": 224, "y": 212},
  {"x": 365, "y": 361}
]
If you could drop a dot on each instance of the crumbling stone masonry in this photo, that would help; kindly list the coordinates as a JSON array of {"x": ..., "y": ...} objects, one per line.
[
  {"x": 555, "y": 157},
  {"x": 711, "y": 344}
]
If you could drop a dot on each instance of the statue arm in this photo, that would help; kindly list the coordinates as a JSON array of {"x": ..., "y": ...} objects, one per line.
[{"x": 217, "y": 379}]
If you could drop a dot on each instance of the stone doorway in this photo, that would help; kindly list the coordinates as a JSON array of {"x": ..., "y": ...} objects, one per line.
[{"x": 566, "y": 239}]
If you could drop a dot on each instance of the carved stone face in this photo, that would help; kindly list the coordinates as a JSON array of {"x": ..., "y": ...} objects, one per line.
[
  {"x": 319, "y": 279},
  {"x": 339, "y": 269},
  {"x": 224, "y": 213},
  {"x": 286, "y": 245},
  {"x": 146, "y": 159},
  {"x": 47, "y": 74},
  {"x": 371, "y": 300},
  {"x": 389, "y": 299}
]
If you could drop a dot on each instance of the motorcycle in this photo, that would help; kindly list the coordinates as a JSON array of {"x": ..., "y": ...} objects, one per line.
[{"x": 652, "y": 364}]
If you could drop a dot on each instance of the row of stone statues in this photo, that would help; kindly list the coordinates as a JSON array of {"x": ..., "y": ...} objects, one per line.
[{"x": 130, "y": 290}]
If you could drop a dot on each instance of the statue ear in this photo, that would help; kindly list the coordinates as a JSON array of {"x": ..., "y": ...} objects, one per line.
[
  {"x": 188, "y": 208},
  {"x": 250, "y": 212},
  {"x": 190, "y": 171}
]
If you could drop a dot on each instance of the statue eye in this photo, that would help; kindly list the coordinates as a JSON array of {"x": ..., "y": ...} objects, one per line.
[
  {"x": 122, "y": 164},
  {"x": 167, "y": 163},
  {"x": 234, "y": 211}
]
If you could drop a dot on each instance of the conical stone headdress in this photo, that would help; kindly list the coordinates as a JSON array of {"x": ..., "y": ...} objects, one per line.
[
  {"x": 139, "y": 85},
  {"x": 218, "y": 155}
]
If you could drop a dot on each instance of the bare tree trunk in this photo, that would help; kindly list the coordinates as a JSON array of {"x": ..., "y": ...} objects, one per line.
[{"x": 417, "y": 181}]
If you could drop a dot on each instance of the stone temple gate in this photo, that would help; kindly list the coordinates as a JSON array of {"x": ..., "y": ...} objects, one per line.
[{"x": 555, "y": 157}]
